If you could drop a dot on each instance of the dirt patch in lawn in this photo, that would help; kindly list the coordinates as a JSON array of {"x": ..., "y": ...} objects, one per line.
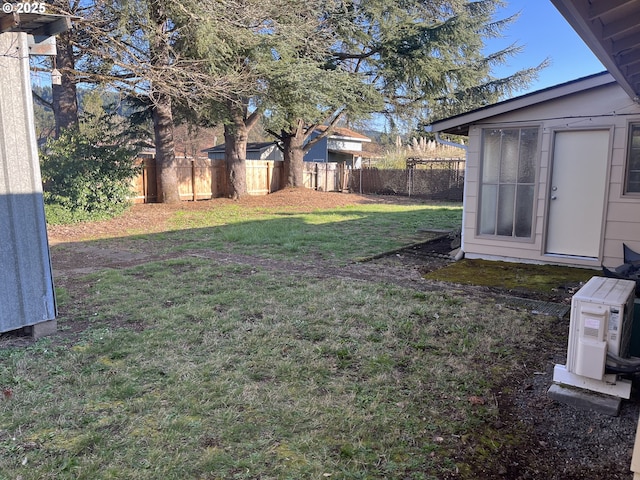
[{"x": 562, "y": 442}]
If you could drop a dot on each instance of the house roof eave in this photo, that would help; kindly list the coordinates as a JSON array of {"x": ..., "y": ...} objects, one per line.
[
  {"x": 251, "y": 147},
  {"x": 609, "y": 28},
  {"x": 459, "y": 124},
  {"x": 39, "y": 24}
]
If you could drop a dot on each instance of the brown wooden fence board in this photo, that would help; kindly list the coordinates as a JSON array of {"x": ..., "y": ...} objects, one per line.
[{"x": 202, "y": 178}]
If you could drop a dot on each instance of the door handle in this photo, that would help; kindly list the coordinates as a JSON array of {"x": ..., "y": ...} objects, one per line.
[{"x": 553, "y": 197}]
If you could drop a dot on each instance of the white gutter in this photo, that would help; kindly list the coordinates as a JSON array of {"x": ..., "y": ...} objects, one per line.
[{"x": 442, "y": 141}]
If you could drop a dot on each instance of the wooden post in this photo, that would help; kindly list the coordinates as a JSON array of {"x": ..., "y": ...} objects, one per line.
[
  {"x": 193, "y": 179},
  {"x": 144, "y": 181},
  {"x": 315, "y": 174},
  {"x": 268, "y": 177},
  {"x": 326, "y": 174}
]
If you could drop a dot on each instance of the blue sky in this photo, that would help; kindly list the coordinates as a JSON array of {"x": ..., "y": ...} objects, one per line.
[{"x": 544, "y": 33}]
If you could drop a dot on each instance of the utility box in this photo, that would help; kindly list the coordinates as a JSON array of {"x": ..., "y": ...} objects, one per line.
[{"x": 601, "y": 323}]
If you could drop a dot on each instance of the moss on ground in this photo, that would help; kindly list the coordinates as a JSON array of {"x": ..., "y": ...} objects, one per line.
[{"x": 512, "y": 276}]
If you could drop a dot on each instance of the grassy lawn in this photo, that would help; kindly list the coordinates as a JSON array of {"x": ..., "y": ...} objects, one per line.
[
  {"x": 185, "y": 368},
  {"x": 339, "y": 235}
]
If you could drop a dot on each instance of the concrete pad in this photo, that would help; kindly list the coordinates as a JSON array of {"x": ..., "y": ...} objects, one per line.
[
  {"x": 44, "y": 329},
  {"x": 586, "y": 400}
]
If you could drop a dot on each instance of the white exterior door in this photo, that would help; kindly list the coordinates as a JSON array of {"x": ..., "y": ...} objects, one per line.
[{"x": 577, "y": 193}]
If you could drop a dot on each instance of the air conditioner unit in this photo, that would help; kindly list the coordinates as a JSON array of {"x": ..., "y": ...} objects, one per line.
[{"x": 601, "y": 322}]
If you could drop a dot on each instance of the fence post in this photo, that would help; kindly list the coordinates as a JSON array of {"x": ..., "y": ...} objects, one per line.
[
  {"x": 144, "y": 181},
  {"x": 315, "y": 174},
  {"x": 193, "y": 178},
  {"x": 268, "y": 173},
  {"x": 326, "y": 175}
]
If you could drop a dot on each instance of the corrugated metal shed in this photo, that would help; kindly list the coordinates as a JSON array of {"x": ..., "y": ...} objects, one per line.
[{"x": 26, "y": 281}]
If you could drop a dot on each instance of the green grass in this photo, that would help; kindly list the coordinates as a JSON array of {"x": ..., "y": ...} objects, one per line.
[
  {"x": 186, "y": 368},
  {"x": 339, "y": 235},
  {"x": 191, "y": 370}
]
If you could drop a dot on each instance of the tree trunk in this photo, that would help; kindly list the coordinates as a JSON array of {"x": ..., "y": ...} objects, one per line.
[
  {"x": 65, "y": 100},
  {"x": 166, "y": 167},
  {"x": 293, "y": 153},
  {"x": 236, "y": 135}
]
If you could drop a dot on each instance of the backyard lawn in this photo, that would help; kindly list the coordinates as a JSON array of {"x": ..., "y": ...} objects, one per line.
[{"x": 225, "y": 340}]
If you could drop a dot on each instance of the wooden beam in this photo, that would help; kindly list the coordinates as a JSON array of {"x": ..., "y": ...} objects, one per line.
[
  {"x": 36, "y": 24},
  {"x": 624, "y": 44},
  {"x": 602, "y": 7},
  {"x": 620, "y": 27},
  {"x": 45, "y": 46},
  {"x": 50, "y": 29},
  {"x": 8, "y": 22},
  {"x": 633, "y": 72},
  {"x": 630, "y": 57}
]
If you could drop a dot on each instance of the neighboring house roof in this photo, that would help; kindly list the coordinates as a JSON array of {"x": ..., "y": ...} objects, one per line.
[
  {"x": 253, "y": 146},
  {"x": 459, "y": 124},
  {"x": 610, "y": 28},
  {"x": 343, "y": 132}
]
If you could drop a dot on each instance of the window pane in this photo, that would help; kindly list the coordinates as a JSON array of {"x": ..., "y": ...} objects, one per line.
[
  {"x": 489, "y": 199},
  {"x": 507, "y": 197},
  {"x": 635, "y": 136},
  {"x": 528, "y": 149},
  {"x": 524, "y": 210},
  {"x": 510, "y": 154},
  {"x": 633, "y": 160},
  {"x": 509, "y": 162},
  {"x": 491, "y": 156},
  {"x": 633, "y": 183}
]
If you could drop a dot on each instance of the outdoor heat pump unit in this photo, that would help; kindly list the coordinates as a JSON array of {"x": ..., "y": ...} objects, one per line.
[{"x": 599, "y": 329}]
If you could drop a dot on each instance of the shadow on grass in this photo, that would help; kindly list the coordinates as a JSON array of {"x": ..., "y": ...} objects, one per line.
[{"x": 339, "y": 235}]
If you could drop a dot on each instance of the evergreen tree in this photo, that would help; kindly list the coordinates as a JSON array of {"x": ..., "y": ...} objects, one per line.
[
  {"x": 408, "y": 60},
  {"x": 138, "y": 47}
]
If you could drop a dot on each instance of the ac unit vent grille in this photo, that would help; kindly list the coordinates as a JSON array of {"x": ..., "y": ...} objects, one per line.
[{"x": 590, "y": 332}]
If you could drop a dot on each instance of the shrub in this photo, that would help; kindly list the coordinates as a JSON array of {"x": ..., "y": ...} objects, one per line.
[{"x": 87, "y": 173}]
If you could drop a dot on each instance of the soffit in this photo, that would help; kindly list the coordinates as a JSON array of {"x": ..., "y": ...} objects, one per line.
[{"x": 611, "y": 29}]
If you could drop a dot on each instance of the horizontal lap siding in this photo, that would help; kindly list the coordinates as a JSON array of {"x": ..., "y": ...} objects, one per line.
[
  {"x": 623, "y": 215},
  {"x": 623, "y": 212}
]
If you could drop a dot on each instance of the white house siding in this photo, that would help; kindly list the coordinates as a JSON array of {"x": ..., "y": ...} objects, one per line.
[
  {"x": 346, "y": 145},
  {"x": 599, "y": 108}
]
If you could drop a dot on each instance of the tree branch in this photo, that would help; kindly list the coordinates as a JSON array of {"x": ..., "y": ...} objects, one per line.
[{"x": 41, "y": 100}]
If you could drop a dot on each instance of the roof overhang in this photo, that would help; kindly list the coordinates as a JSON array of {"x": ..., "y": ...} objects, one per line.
[
  {"x": 459, "y": 124},
  {"x": 611, "y": 29},
  {"x": 353, "y": 153},
  {"x": 36, "y": 24}
]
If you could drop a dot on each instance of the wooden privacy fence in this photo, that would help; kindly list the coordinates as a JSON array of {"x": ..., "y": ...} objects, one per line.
[
  {"x": 325, "y": 176},
  {"x": 203, "y": 178}
]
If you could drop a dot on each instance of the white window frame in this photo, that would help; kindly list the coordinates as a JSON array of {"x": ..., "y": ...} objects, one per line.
[
  {"x": 532, "y": 185},
  {"x": 627, "y": 159}
]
